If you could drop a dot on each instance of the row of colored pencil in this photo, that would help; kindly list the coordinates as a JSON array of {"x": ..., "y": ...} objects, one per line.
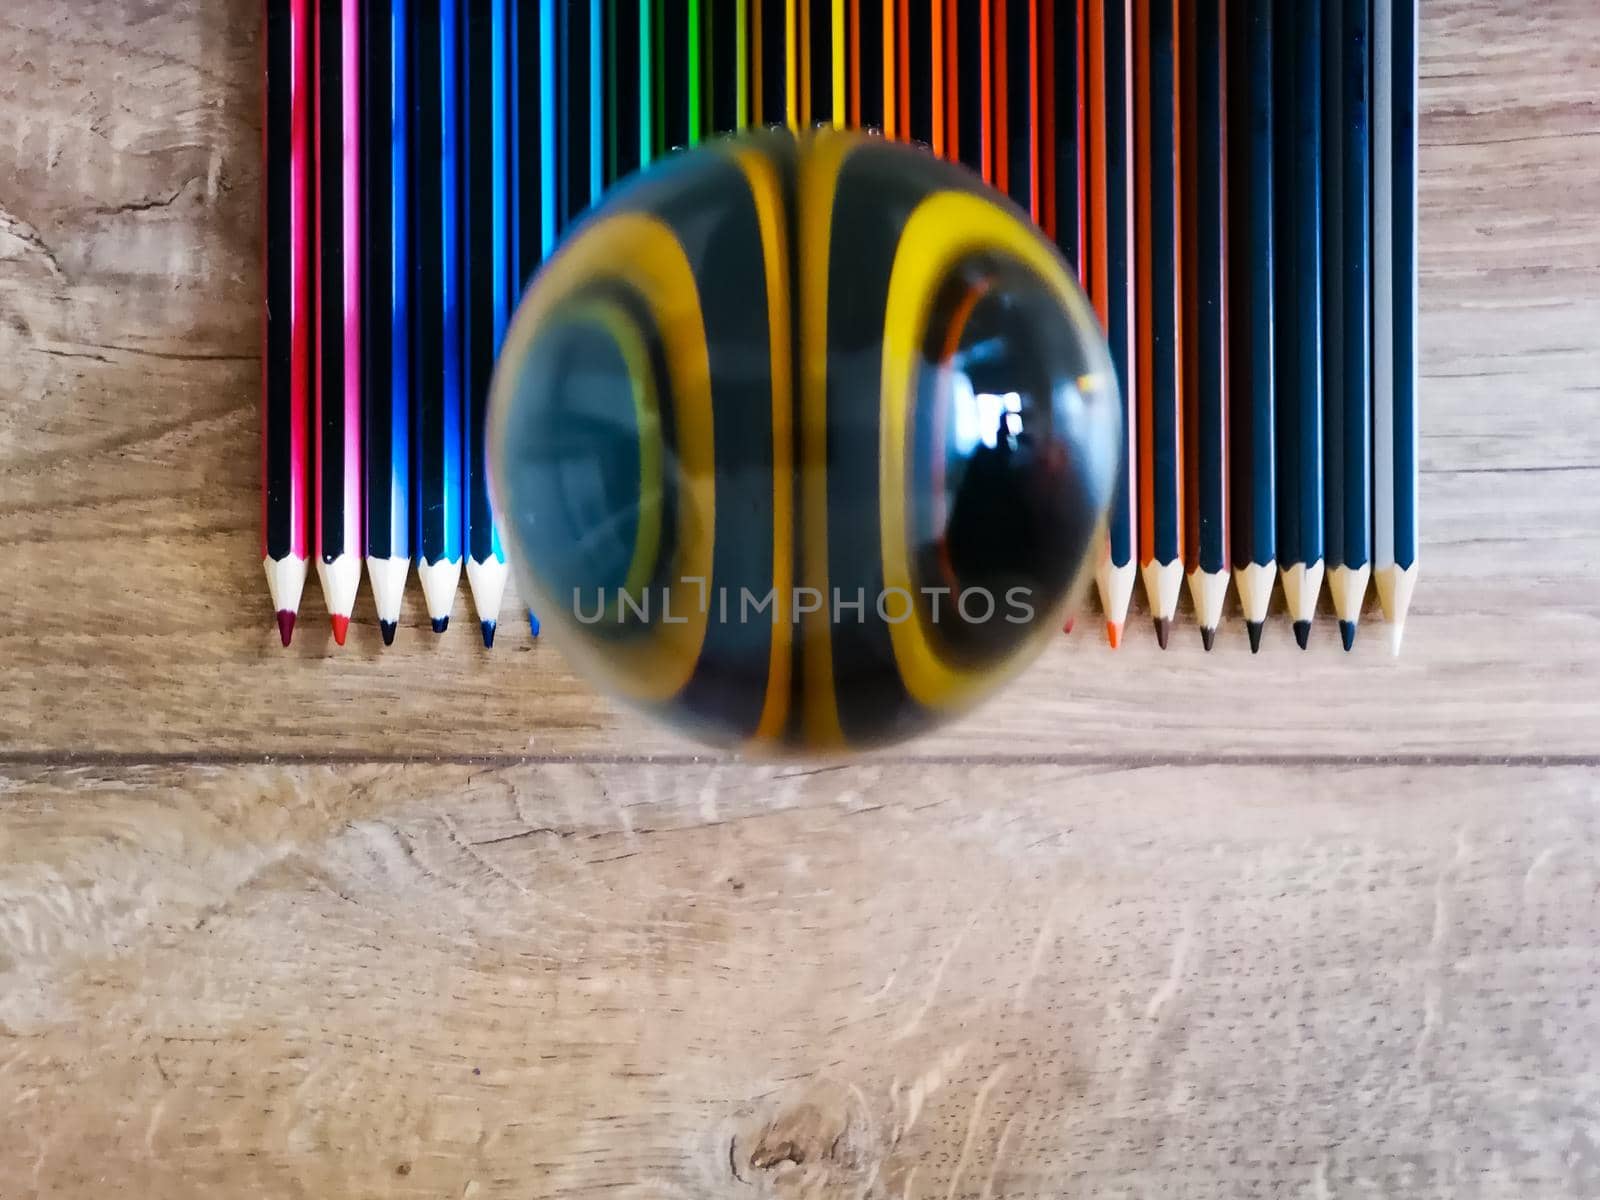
[
  {"x": 1235, "y": 181},
  {"x": 392, "y": 266},
  {"x": 1252, "y": 249}
]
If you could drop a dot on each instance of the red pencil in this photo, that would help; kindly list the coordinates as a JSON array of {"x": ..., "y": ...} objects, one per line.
[{"x": 287, "y": 312}]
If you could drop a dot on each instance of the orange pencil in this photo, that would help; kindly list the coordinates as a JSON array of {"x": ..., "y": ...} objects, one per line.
[
  {"x": 1002, "y": 108},
  {"x": 952, "y": 82},
  {"x": 936, "y": 73}
]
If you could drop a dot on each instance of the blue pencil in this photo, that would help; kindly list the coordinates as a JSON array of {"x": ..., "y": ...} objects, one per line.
[
  {"x": 1257, "y": 256},
  {"x": 1395, "y": 311},
  {"x": 490, "y": 284},
  {"x": 386, "y": 336},
  {"x": 438, "y": 443},
  {"x": 1347, "y": 350},
  {"x": 1301, "y": 538}
]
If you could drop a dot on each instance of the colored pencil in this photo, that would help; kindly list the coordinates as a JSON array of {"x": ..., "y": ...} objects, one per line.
[
  {"x": 1256, "y": 257},
  {"x": 287, "y": 314},
  {"x": 1347, "y": 349},
  {"x": 437, "y": 438},
  {"x": 1207, "y": 312},
  {"x": 969, "y": 82},
  {"x": 338, "y": 384},
  {"x": 1300, "y": 309},
  {"x": 1119, "y": 566},
  {"x": 1093, "y": 122},
  {"x": 386, "y": 333},
  {"x": 1161, "y": 532},
  {"x": 489, "y": 283},
  {"x": 1395, "y": 312}
]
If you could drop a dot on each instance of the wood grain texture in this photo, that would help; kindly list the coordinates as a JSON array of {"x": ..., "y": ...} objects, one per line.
[
  {"x": 729, "y": 981},
  {"x": 137, "y": 619},
  {"x": 1146, "y": 926}
]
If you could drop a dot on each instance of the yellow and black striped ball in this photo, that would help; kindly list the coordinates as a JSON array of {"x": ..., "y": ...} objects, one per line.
[{"x": 803, "y": 443}]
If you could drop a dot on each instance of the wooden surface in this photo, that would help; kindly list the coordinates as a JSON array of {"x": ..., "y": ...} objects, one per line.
[{"x": 435, "y": 923}]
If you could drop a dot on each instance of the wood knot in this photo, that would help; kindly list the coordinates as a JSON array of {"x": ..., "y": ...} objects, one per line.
[{"x": 823, "y": 1138}]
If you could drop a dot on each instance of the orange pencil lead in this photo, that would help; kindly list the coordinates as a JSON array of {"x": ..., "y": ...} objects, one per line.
[{"x": 1114, "y": 634}]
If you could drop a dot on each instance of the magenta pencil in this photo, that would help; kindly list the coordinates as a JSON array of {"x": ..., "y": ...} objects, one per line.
[
  {"x": 338, "y": 391},
  {"x": 288, "y": 310}
]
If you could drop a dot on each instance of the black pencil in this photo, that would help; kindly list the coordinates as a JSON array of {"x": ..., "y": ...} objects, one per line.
[
  {"x": 1300, "y": 344},
  {"x": 1347, "y": 349},
  {"x": 1207, "y": 314},
  {"x": 1255, "y": 255},
  {"x": 386, "y": 332}
]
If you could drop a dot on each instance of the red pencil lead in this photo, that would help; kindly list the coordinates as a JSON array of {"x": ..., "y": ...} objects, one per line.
[{"x": 341, "y": 626}]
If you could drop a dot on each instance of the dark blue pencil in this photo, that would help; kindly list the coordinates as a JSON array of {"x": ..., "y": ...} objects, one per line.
[
  {"x": 386, "y": 338},
  {"x": 1395, "y": 311},
  {"x": 1161, "y": 326},
  {"x": 490, "y": 282},
  {"x": 1347, "y": 351},
  {"x": 1300, "y": 311},
  {"x": 437, "y": 440},
  {"x": 1206, "y": 153},
  {"x": 1253, "y": 128},
  {"x": 1120, "y": 566}
]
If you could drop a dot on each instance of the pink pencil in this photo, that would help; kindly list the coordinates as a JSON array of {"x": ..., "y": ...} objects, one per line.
[
  {"x": 287, "y": 313},
  {"x": 338, "y": 444}
]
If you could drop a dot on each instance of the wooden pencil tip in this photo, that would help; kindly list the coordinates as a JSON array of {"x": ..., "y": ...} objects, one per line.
[
  {"x": 387, "y": 628},
  {"x": 440, "y": 624},
  {"x": 341, "y": 627},
  {"x": 1114, "y": 634},
  {"x": 1208, "y": 638},
  {"x": 1347, "y": 634},
  {"x": 285, "y": 626},
  {"x": 1302, "y": 633},
  {"x": 488, "y": 628},
  {"x": 1163, "y": 631},
  {"x": 1253, "y": 628}
]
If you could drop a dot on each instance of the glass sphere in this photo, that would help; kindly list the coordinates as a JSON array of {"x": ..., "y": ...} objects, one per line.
[{"x": 803, "y": 443}]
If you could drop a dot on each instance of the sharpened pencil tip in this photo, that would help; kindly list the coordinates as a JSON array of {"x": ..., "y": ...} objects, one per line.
[
  {"x": 533, "y": 625},
  {"x": 1302, "y": 633},
  {"x": 1208, "y": 638},
  {"x": 1253, "y": 628},
  {"x": 1347, "y": 634},
  {"x": 341, "y": 627},
  {"x": 286, "y": 626},
  {"x": 1163, "y": 631},
  {"x": 387, "y": 628},
  {"x": 440, "y": 624},
  {"x": 1397, "y": 634},
  {"x": 1114, "y": 634},
  {"x": 1067, "y": 628},
  {"x": 488, "y": 628}
]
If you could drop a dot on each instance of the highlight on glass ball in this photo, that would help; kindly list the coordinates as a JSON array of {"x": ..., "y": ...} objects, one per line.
[{"x": 804, "y": 444}]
